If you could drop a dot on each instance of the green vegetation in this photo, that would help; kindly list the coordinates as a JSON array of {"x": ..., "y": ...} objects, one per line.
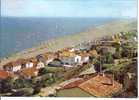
[
  {"x": 73, "y": 92},
  {"x": 116, "y": 68},
  {"x": 55, "y": 69},
  {"x": 108, "y": 58}
]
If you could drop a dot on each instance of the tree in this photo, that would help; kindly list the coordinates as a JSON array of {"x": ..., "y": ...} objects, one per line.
[
  {"x": 6, "y": 85},
  {"x": 22, "y": 83},
  {"x": 118, "y": 52},
  {"x": 109, "y": 58},
  {"x": 43, "y": 71}
]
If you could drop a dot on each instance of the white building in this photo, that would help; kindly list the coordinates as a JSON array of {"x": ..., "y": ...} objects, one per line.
[
  {"x": 77, "y": 59},
  {"x": 16, "y": 68},
  {"x": 85, "y": 59},
  {"x": 29, "y": 64}
]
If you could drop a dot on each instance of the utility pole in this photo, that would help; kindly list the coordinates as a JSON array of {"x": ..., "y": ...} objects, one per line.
[
  {"x": 113, "y": 79},
  {"x": 100, "y": 64}
]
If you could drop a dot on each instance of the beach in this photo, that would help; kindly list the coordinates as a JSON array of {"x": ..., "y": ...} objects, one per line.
[{"x": 65, "y": 41}]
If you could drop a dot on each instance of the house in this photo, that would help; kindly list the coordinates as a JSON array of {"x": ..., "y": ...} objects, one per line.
[
  {"x": 70, "y": 58},
  {"x": 101, "y": 86},
  {"x": 20, "y": 64},
  {"x": 41, "y": 58},
  {"x": 29, "y": 72},
  {"x": 29, "y": 64},
  {"x": 49, "y": 57},
  {"x": 56, "y": 63},
  {"x": 84, "y": 57},
  {"x": 78, "y": 59},
  {"x": 40, "y": 64},
  {"x": 70, "y": 49},
  {"x": 15, "y": 66},
  {"x": 8, "y": 67},
  {"x": 67, "y": 57},
  {"x": 5, "y": 74},
  {"x": 93, "y": 53}
]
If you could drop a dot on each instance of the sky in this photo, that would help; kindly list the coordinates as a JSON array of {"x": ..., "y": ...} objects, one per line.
[{"x": 69, "y": 8}]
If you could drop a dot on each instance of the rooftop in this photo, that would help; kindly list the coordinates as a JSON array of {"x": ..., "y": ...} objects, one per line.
[
  {"x": 98, "y": 86},
  {"x": 94, "y": 53},
  {"x": 4, "y": 74},
  {"x": 68, "y": 54},
  {"x": 29, "y": 71},
  {"x": 90, "y": 70}
]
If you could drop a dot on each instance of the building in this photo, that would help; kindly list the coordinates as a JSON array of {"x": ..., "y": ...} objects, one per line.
[
  {"x": 101, "y": 86},
  {"x": 20, "y": 64},
  {"x": 40, "y": 64},
  {"x": 93, "y": 53},
  {"x": 70, "y": 58},
  {"x": 8, "y": 67},
  {"x": 56, "y": 63},
  {"x": 29, "y": 72},
  {"x": 5, "y": 74},
  {"x": 29, "y": 64},
  {"x": 41, "y": 58},
  {"x": 14, "y": 66},
  {"x": 49, "y": 57},
  {"x": 84, "y": 57}
]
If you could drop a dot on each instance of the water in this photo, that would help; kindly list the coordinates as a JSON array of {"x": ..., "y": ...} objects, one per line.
[{"x": 21, "y": 33}]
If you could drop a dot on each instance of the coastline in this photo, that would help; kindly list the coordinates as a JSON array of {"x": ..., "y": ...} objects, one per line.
[{"x": 72, "y": 40}]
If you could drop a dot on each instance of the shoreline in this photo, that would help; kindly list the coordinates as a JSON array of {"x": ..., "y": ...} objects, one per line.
[{"x": 71, "y": 40}]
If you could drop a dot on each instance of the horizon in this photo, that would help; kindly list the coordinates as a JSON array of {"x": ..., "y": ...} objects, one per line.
[{"x": 69, "y": 17}]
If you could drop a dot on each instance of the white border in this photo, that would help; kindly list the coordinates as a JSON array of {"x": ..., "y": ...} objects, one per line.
[{"x": 75, "y": 98}]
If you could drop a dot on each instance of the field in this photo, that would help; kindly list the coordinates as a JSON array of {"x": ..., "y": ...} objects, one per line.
[{"x": 73, "y": 92}]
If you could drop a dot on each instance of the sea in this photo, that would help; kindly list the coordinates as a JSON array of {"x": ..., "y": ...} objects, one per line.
[{"x": 17, "y": 34}]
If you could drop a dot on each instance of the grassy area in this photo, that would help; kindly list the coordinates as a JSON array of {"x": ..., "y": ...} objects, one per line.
[
  {"x": 54, "y": 69},
  {"x": 73, "y": 92},
  {"x": 118, "y": 67}
]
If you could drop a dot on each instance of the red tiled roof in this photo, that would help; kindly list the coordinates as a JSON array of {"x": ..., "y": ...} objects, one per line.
[
  {"x": 8, "y": 64},
  {"x": 18, "y": 62},
  {"x": 29, "y": 71},
  {"x": 4, "y": 74},
  {"x": 73, "y": 84},
  {"x": 97, "y": 86}
]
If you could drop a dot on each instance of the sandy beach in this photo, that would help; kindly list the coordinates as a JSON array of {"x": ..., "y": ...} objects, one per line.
[{"x": 72, "y": 40}]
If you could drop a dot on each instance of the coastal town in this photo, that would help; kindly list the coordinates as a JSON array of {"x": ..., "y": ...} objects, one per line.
[{"x": 106, "y": 67}]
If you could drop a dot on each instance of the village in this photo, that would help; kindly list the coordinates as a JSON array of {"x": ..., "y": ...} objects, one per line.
[{"x": 106, "y": 67}]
